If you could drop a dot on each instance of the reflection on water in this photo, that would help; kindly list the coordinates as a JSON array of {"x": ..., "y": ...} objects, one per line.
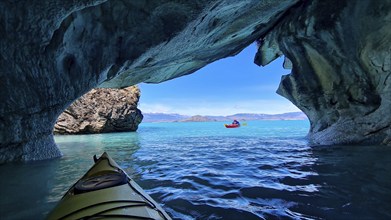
[
  {"x": 200, "y": 171},
  {"x": 30, "y": 190},
  {"x": 270, "y": 180},
  {"x": 355, "y": 182},
  {"x": 25, "y": 189}
]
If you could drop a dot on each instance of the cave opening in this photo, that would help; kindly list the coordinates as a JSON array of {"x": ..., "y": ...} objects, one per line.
[{"x": 226, "y": 87}]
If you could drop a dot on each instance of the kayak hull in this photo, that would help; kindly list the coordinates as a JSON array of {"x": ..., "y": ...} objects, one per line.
[
  {"x": 106, "y": 191},
  {"x": 232, "y": 125}
]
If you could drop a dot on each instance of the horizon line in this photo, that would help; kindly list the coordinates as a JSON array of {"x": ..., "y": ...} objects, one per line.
[{"x": 221, "y": 115}]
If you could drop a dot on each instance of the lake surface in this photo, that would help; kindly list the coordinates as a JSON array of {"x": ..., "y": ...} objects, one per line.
[{"x": 265, "y": 170}]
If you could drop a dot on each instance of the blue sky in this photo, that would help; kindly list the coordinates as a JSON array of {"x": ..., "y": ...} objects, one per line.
[{"x": 227, "y": 86}]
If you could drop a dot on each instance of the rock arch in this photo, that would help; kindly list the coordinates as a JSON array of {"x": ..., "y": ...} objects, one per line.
[{"x": 51, "y": 53}]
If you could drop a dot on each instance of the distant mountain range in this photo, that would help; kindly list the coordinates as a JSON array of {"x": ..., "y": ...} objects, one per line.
[{"x": 162, "y": 117}]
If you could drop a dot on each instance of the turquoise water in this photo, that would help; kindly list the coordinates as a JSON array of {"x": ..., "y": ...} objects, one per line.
[{"x": 265, "y": 170}]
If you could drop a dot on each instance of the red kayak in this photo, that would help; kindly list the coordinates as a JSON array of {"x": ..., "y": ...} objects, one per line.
[{"x": 232, "y": 125}]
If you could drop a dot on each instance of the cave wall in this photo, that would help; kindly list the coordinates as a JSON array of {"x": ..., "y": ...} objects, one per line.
[
  {"x": 340, "y": 54},
  {"x": 53, "y": 52}
]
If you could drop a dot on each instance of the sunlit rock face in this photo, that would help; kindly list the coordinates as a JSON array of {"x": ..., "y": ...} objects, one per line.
[
  {"x": 340, "y": 52},
  {"x": 102, "y": 110},
  {"x": 53, "y": 52}
]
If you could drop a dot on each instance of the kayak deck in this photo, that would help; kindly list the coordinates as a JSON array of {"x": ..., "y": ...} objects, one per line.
[{"x": 106, "y": 191}]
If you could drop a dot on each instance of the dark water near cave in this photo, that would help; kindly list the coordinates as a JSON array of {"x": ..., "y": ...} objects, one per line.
[{"x": 264, "y": 170}]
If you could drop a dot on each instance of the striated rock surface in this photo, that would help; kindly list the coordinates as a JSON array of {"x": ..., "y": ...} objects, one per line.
[
  {"x": 340, "y": 54},
  {"x": 53, "y": 52},
  {"x": 102, "y": 111}
]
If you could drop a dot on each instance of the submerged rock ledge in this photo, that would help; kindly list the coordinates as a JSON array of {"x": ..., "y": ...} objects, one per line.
[{"x": 53, "y": 52}]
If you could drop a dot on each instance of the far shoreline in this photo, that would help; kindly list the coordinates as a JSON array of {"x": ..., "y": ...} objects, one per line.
[{"x": 166, "y": 117}]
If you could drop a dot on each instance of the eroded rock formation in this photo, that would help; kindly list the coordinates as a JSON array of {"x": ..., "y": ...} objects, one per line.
[
  {"x": 340, "y": 52},
  {"x": 100, "y": 111},
  {"x": 53, "y": 52}
]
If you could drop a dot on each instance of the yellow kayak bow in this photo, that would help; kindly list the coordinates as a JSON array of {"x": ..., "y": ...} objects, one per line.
[{"x": 107, "y": 192}]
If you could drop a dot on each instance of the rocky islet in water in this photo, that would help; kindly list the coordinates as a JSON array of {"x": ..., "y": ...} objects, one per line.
[{"x": 102, "y": 110}]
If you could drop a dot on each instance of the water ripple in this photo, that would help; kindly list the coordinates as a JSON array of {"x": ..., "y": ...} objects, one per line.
[{"x": 204, "y": 171}]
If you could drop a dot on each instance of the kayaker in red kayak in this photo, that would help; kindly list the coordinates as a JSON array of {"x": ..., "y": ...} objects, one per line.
[{"x": 234, "y": 124}]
